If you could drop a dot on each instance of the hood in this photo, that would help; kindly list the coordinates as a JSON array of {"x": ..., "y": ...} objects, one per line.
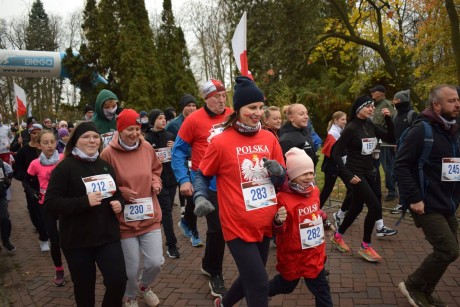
[
  {"x": 436, "y": 119},
  {"x": 102, "y": 97}
]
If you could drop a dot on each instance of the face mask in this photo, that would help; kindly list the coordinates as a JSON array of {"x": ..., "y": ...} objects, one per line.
[
  {"x": 144, "y": 120},
  {"x": 300, "y": 188},
  {"x": 109, "y": 113}
]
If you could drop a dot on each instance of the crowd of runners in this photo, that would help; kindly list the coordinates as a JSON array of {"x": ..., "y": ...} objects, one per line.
[{"x": 100, "y": 190}]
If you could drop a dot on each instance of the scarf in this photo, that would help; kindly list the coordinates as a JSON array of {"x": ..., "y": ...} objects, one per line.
[
  {"x": 126, "y": 147},
  {"x": 54, "y": 159},
  {"x": 80, "y": 154},
  {"x": 301, "y": 189},
  {"x": 245, "y": 129}
]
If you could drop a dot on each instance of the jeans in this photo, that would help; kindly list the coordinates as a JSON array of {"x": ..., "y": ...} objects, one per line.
[
  {"x": 166, "y": 200},
  {"x": 387, "y": 159},
  {"x": 252, "y": 283},
  {"x": 318, "y": 286},
  {"x": 441, "y": 232},
  {"x": 150, "y": 244},
  {"x": 215, "y": 244},
  {"x": 82, "y": 266}
]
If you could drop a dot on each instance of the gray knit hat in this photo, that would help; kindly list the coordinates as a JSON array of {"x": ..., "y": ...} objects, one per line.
[{"x": 403, "y": 96}]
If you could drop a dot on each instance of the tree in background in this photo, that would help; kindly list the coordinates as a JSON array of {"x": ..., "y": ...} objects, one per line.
[
  {"x": 43, "y": 95},
  {"x": 173, "y": 55}
]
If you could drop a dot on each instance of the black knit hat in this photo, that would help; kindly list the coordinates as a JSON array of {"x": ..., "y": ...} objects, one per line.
[
  {"x": 154, "y": 115},
  {"x": 80, "y": 129},
  {"x": 186, "y": 99},
  {"x": 170, "y": 113},
  {"x": 246, "y": 92},
  {"x": 87, "y": 109},
  {"x": 360, "y": 103}
]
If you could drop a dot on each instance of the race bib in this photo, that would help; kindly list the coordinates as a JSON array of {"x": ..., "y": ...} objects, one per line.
[
  {"x": 311, "y": 231},
  {"x": 450, "y": 169},
  {"x": 259, "y": 194},
  {"x": 106, "y": 138},
  {"x": 103, "y": 183},
  {"x": 164, "y": 152},
  {"x": 368, "y": 146},
  {"x": 142, "y": 209}
]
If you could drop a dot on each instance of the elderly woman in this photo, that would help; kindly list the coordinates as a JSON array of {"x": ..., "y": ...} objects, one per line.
[
  {"x": 243, "y": 158},
  {"x": 140, "y": 222},
  {"x": 82, "y": 190}
]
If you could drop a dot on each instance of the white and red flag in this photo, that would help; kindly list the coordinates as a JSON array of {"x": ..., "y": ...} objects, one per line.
[
  {"x": 239, "y": 47},
  {"x": 21, "y": 101}
]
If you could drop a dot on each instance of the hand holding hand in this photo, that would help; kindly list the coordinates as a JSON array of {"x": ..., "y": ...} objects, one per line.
[
  {"x": 186, "y": 189},
  {"x": 95, "y": 199},
  {"x": 203, "y": 206},
  {"x": 355, "y": 180},
  {"x": 273, "y": 167}
]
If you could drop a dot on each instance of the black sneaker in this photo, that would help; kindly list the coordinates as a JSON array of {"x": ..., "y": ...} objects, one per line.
[
  {"x": 385, "y": 232},
  {"x": 216, "y": 284},
  {"x": 9, "y": 247},
  {"x": 173, "y": 252},
  {"x": 435, "y": 301}
]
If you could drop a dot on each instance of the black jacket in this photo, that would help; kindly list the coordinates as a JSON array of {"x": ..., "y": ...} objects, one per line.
[
  {"x": 440, "y": 196},
  {"x": 351, "y": 144},
  {"x": 23, "y": 158},
  {"x": 159, "y": 139},
  {"x": 291, "y": 136},
  {"x": 80, "y": 225}
]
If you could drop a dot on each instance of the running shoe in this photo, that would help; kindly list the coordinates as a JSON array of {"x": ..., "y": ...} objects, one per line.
[
  {"x": 435, "y": 301},
  {"x": 340, "y": 244},
  {"x": 59, "y": 280},
  {"x": 218, "y": 302},
  {"x": 216, "y": 284},
  {"x": 416, "y": 298},
  {"x": 195, "y": 239},
  {"x": 369, "y": 254},
  {"x": 385, "y": 231},
  {"x": 151, "y": 299},
  {"x": 9, "y": 247},
  {"x": 185, "y": 230},
  {"x": 131, "y": 303},
  {"x": 173, "y": 252},
  {"x": 397, "y": 209},
  {"x": 44, "y": 246}
]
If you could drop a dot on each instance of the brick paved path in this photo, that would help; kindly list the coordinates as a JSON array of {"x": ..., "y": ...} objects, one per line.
[{"x": 25, "y": 276}]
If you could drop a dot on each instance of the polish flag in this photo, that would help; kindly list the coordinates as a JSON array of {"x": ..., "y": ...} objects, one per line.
[
  {"x": 239, "y": 47},
  {"x": 21, "y": 102}
]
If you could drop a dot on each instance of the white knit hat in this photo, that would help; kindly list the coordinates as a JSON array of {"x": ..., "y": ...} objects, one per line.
[{"x": 298, "y": 163}]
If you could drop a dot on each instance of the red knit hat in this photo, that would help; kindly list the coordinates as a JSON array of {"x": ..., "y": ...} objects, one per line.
[
  {"x": 128, "y": 117},
  {"x": 211, "y": 87}
]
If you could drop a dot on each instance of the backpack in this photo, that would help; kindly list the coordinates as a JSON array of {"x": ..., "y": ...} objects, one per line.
[{"x": 422, "y": 159}]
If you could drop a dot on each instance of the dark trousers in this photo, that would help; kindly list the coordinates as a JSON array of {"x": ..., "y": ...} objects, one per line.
[
  {"x": 53, "y": 233},
  {"x": 252, "y": 283},
  {"x": 110, "y": 261},
  {"x": 215, "y": 244},
  {"x": 330, "y": 177},
  {"x": 36, "y": 217},
  {"x": 166, "y": 200},
  {"x": 441, "y": 232},
  {"x": 363, "y": 192},
  {"x": 5, "y": 222},
  {"x": 318, "y": 286},
  {"x": 189, "y": 216}
]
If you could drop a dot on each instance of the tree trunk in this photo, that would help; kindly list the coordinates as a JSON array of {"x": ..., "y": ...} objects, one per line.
[{"x": 455, "y": 34}]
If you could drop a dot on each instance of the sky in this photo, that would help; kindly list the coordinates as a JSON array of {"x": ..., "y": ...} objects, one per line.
[{"x": 13, "y": 8}]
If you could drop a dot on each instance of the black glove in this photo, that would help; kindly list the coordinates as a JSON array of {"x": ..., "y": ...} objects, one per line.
[
  {"x": 273, "y": 167},
  {"x": 202, "y": 206}
]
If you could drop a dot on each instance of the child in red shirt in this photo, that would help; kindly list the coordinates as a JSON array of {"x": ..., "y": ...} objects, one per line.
[{"x": 299, "y": 232}]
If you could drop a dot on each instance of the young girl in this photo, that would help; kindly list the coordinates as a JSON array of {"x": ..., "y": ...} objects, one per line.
[
  {"x": 298, "y": 225},
  {"x": 63, "y": 138},
  {"x": 42, "y": 168}
]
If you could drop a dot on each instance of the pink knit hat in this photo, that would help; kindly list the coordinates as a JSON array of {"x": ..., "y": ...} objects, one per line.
[{"x": 298, "y": 163}]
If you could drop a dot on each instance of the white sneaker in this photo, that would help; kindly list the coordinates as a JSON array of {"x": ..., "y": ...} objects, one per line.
[
  {"x": 44, "y": 246},
  {"x": 151, "y": 299},
  {"x": 131, "y": 303}
]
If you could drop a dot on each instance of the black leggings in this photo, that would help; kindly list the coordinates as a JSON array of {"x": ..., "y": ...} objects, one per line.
[
  {"x": 53, "y": 233},
  {"x": 252, "y": 283},
  {"x": 329, "y": 182},
  {"x": 363, "y": 193}
]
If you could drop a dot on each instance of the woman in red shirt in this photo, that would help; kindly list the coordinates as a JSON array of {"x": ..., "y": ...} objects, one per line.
[{"x": 246, "y": 161}]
